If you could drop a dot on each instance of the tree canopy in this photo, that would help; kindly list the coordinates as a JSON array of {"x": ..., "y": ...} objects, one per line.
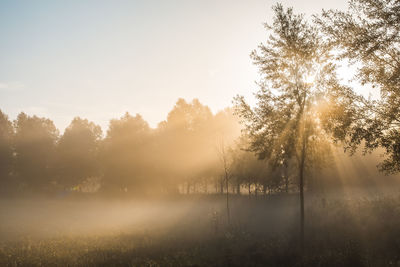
[{"x": 368, "y": 33}]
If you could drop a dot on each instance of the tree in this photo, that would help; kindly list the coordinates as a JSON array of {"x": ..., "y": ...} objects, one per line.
[
  {"x": 248, "y": 169},
  {"x": 369, "y": 33},
  {"x": 35, "y": 144},
  {"x": 126, "y": 154},
  {"x": 226, "y": 161},
  {"x": 296, "y": 74},
  {"x": 6, "y": 151},
  {"x": 186, "y": 143},
  {"x": 77, "y": 152}
]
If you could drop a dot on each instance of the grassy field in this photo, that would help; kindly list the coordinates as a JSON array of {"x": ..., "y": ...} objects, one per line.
[{"x": 193, "y": 231}]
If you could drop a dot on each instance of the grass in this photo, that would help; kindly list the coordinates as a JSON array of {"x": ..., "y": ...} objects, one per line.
[{"x": 357, "y": 232}]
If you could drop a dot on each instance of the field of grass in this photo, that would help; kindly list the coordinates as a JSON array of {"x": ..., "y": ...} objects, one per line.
[{"x": 193, "y": 231}]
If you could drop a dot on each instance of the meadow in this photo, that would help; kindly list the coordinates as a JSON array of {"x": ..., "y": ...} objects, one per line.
[{"x": 193, "y": 231}]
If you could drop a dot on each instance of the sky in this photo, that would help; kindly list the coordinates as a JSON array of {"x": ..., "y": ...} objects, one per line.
[{"x": 99, "y": 59}]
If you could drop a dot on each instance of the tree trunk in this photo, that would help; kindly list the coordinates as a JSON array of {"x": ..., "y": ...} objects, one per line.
[
  {"x": 227, "y": 199},
  {"x": 285, "y": 173},
  {"x": 301, "y": 188}
]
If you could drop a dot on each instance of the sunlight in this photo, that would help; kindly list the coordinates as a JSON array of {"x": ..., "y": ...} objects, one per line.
[
  {"x": 309, "y": 79},
  {"x": 194, "y": 133}
]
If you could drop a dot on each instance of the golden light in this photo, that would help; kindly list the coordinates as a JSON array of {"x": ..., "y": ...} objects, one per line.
[{"x": 309, "y": 79}]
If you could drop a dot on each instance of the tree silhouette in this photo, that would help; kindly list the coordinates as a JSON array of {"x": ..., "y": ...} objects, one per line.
[
  {"x": 35, "y": 144},
  {"x": 77, "y": 152},
  {"x": 296, "y": 75},
  {"x": 186, "y": 142},
  {"x": 131, "y": 158},
  {"x": 126, "y": 154},
  {"x": 6, "y": 152}
]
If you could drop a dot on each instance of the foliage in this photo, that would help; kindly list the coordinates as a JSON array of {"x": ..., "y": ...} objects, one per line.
[
  {"x": 35, "y": 145},
  {"x": 285, "y": 126},
  {"x": 132, "y": 159},
  {"x": 77, "y": 152},
  {"x": 125, "y": 153},
  {"x": 6, "y": 151},
  {"x": 368, "y": 34}
]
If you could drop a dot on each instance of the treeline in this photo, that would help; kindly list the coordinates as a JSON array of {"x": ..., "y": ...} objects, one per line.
[{"x": 181, "y": 155}]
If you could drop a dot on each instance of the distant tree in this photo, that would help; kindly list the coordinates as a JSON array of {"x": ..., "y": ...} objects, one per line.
[
  {"x": 186, "y": 145},
  {"x": 247, "y": 169},
  {"x": 296, "y": 74},
  {"x": 226, "y": 129},
  {"x": 224, "y": 155},
  {"x": 77, "y": 152},
  {"x": 225, "y": 123},
  {"x": 35, "y": 143},
  {"x": 6, "y": 152},
  {"x": 179, "y": 153},
  {"x": 126, "y": 154},
  {"x": 238, "y": 164},
  {"x": 369, "y": 33}
]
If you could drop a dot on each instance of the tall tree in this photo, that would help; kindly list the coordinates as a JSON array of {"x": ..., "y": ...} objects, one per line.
[
  {"x": 35, "y": 143},
  {"x": 77, "y": 152},
  {"x": 369, "y": 33},
  {"x": 296, "y": 72}
]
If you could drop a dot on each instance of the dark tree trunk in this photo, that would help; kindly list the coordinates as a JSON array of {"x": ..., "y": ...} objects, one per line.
[
  {"x": 301, "y": 188},
  {"x": 227, "y": 199}
]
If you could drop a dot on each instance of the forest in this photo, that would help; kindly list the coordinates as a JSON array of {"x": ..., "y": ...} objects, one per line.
[{"x": 306, "y": 176}]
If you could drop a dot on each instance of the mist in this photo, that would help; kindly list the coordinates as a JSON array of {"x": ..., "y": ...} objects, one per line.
[
  {"x": 135, "y": 186},
  {"x": 302, "y": 171}
]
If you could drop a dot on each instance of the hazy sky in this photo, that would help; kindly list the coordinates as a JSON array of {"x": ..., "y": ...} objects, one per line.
[{"x": 99, "y": 59}]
